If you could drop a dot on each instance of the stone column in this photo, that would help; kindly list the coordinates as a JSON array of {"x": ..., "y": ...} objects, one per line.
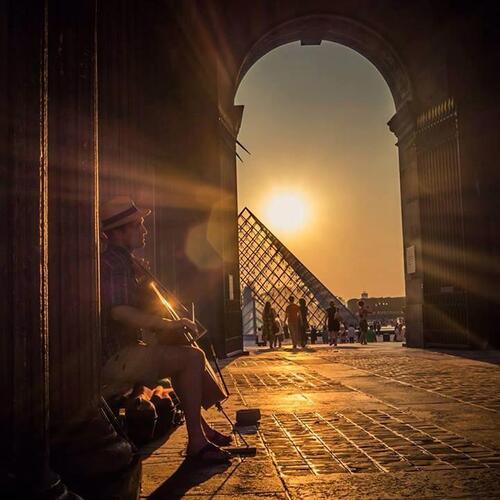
[
  {"x": 24, "y": 253},
  {"x": 85, "y": 448},
  {"x": 49, "y": 348},
  {"x": 72, "y": 194},
  {"x": 403, "y": 125},
  {"x": 229, "y": 125}
]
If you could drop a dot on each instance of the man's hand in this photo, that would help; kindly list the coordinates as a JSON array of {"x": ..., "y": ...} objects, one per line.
[
  {"x": 190, "y": 325},
  {"x": 172, "y": 325}
]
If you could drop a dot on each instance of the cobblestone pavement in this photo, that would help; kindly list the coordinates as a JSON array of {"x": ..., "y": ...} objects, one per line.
[{"x": 376, "y": 421}]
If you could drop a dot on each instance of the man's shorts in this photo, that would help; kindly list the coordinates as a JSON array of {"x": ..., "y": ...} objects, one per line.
[{"x": 135, "y": 364}]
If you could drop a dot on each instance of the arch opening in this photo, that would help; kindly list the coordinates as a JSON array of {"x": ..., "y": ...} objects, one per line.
[{"x": 388, "y": 145}]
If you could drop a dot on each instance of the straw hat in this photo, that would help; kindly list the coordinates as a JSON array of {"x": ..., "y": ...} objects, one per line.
[{"x": 119, "y": 211}]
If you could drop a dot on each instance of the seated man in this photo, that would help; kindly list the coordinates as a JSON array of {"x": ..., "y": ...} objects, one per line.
[{"x": 129, "y": 360}]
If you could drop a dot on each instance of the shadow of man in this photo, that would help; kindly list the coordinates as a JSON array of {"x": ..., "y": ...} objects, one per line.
[{"x": 187, "y": 477}]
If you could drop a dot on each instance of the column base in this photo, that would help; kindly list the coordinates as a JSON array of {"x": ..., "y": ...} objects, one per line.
[{"x": 95, "y": 461}]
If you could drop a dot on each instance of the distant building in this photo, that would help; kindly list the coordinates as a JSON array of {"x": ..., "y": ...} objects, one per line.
[{"x": 383, "y": 308}]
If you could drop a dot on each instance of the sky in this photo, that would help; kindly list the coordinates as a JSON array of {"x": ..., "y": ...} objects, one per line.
[{"x": 323, "y": 170}]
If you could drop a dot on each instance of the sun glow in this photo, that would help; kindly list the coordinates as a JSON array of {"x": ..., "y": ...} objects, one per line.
[{"x": 287, "y": 211}]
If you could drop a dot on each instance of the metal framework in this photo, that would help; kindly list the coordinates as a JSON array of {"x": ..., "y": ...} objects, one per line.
[{"x": 269, "y": 271}]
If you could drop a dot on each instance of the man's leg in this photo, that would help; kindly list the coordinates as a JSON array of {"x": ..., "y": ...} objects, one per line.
[
  {"x": 196, "y": 422},
  {"x": 362, "y": 336},
  {"x": 185, "y": 366},
  {"x": 293, "y": 333}
]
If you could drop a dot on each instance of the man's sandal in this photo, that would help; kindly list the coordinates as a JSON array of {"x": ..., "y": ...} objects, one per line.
[{"x": 209, "y": 454}]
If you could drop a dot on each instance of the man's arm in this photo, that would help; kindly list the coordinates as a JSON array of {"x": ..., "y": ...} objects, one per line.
[
  {"x": 116, "y": 279},
  {"x": 135, "y": 318}
]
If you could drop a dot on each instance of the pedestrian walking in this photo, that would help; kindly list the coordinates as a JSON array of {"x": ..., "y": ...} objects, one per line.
[
  {"x": 292, "y": 320},
  {"x": 333, "y": 323},
  {"x": 268, "y": 324},
  {"x": 363, "y": 312},
  {"x": 304, "y": 322}
]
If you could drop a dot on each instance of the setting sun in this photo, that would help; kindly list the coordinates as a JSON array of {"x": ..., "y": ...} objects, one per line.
[{"x": 287, "y": 211}]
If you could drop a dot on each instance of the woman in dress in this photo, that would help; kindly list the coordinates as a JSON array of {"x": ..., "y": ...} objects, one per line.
[{"x": 268, "y": 324}]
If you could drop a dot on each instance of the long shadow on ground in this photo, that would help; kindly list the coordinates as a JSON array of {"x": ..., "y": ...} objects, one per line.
[{"x": 187, "y": 477}]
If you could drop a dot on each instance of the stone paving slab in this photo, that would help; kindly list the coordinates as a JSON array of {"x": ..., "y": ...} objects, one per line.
[
  {"x": 343, "y": 400},
  {"x": 421, "y": 486},
  {"x": 334, "y": 427}
]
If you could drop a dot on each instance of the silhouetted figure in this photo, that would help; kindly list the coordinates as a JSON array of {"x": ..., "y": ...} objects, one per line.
[
  {"x": 333, "y": 323},
  {"x": 304, "y": 323},
  {"x": 268, "y": 324},
  {"x": 363, "y": 312},
  {"x": 127, "y": 311},
  {"x": 292, "y": 320}
]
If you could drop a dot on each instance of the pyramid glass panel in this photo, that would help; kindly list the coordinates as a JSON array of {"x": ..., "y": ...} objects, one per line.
[{"x": 269, "y": 271}]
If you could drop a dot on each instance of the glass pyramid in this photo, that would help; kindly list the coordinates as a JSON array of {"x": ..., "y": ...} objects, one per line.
[{"x": 269, "y": 271}]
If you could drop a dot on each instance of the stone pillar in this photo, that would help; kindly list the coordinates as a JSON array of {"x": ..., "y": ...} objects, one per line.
[
  {"x": 72, "y": 195},
  {"x": 85, "y": 448},
  {"x": 24, "y": 272},
  {"x": 24, "y": 204},
  {"x": 403, "y": 125},
  {"x": 229, "y": 125},
  {"x": 49, "y": 352}
]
